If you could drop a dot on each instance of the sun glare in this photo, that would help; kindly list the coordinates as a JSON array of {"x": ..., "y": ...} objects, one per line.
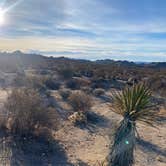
[{"x": 1, "y": 16}]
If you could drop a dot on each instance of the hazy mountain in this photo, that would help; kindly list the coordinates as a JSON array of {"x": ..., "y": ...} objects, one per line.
[{"x": 10, "y": 62}]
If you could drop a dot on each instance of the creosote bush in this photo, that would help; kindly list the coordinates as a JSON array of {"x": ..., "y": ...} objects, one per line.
[
  {"x": 27, "y": 113},
  {"x": 80, "y": 101}
]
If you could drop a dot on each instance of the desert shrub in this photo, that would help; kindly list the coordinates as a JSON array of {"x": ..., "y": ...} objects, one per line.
[
  {"x": 82, "y": 81},
  {"x": 36, "y": 82},
  {"x": 42, "y": 83},
  {"x": 72, "y": 84},
  {"x": 3, "y": 120},
  {"x": 100, "y": 83},
  {"x": 87, "y": 73},
  {"x": 66, "y": 73},
  {"x": 52, "y": 84},
  {"x": 98, "y": 92},
  {"x": 65, "y": 93},
  {"x": 157, "y": 84},
  {"x": 19, "y": 80},
  {"x": 87, "y": 90},
  {"x": 27, "y": 112},
  {"x": 80, "y": 101}
]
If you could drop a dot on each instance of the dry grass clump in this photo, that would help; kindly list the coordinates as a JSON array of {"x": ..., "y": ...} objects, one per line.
[
  {"x": 80, "y": 101},
  {"x": 27, "y": 112}
]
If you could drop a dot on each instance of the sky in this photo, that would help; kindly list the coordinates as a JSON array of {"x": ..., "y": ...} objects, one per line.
[{"x": 133, "y": 30}]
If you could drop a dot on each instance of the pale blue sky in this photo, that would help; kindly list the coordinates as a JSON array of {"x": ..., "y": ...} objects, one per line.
[{"x": 92, "y": 29}]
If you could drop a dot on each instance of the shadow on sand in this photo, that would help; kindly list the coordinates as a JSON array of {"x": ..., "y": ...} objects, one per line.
[
  {"x": 32, "y": 152},
  {"x": 105, "y": 98},
  {"x": 94, "y": 122},
  {"x": 148, "y": 146}
]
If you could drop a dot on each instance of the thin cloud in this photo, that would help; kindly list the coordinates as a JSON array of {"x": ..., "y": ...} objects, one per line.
[{"x": 87, "y": 29}]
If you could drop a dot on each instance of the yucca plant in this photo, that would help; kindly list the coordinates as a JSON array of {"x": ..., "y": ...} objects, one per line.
[{"x": 133, "y": 104}]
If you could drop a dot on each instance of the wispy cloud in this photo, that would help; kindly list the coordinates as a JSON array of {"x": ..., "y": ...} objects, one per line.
[{"x": 131, "y": 30}]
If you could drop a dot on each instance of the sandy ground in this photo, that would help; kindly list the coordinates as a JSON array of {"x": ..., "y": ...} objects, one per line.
[{"x": 89, "y": 145}]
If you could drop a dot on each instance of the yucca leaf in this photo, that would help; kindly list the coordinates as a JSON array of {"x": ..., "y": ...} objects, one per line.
[{"x": 134, "y": 103}]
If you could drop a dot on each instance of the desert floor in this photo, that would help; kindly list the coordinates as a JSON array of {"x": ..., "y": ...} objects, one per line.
[{"x": 89, "y": 145}]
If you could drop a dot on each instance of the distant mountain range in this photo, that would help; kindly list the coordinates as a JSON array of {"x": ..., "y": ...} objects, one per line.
[{"x": 12, "y": 61}]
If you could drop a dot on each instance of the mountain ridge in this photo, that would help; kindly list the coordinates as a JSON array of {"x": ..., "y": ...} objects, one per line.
[{"x": 25, "y": 60}]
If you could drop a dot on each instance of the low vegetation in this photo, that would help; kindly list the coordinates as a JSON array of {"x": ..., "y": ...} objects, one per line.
[
  {"x": 81, "y": 104},
  {"x": 27, "y": 112},
  {"x": 80, "y": 101},
  {"x": 134, "y": 104},
  {"x": 65, "y": 93}
]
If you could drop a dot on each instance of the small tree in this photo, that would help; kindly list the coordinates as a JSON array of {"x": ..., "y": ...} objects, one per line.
[{"x": 134, "y": 105}]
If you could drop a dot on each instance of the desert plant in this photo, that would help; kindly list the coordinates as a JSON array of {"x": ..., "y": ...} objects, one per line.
[
  {"x": 65, "y": 93},
  {"x": 52, "y": 84},
  {"x": 157, "y": 84},
  {"x": 27, "y": 112},
  {"x": 80, "y": 101},
  {"x": 36, "y": 82},
  {"x": 100, "y": 83},
  {"x": 134, "y": 105},
  {"x": 3, "y": 120},
  {"x": 87, "y": 90},
  {"x": 98, "y": 92},
  {"x": 66, "y": 73},
  {"x": 72, "y": 84}
]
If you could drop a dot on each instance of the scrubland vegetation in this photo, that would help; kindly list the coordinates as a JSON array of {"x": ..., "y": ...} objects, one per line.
[{"x": 46, "y": 96}]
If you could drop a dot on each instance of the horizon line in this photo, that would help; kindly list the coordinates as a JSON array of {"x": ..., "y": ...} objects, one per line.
[{"x": 86, "y": 59}]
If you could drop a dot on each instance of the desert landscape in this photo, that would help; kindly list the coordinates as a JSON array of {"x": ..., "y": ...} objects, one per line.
[
  {"x": 78, "y": 141},
  {"x": 82, "y": 83}
]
